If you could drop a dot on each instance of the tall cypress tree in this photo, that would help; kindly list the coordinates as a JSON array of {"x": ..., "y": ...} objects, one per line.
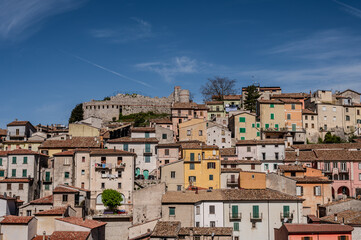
[{"x": 251, "y": 100}]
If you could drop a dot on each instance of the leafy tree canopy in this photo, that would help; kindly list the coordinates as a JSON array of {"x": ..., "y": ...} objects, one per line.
[
  {"x": 218, "y": 87},
  {"x": 330, "y": 138},
  {"x": 250, "y": 102},
  {"x": 77, "y": 114},
  {"x": 111, "y": 198}
]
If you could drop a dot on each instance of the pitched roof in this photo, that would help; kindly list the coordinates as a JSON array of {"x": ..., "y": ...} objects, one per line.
[
  {"x": 75, "y": 188},
  {"x": 189, "y": 105},
  {"x": 232, "y": 97},
  {"x": 194, "y": 144},
  {"x": 74, "y": 142},
  {"x": 23, "y": 152},
  {"x": 168, "y": 145},
  {"x": 290, "y": 95},
  {"x": 231, "y": 170},
  {"x": 69, "y": 235},
  {"x": 260, "y": 142},
  {"x": 227, "y": 151},
  {"x": 271, "y": 101},
  {"x": 338, "y": 202},
  {"x": 16, "y": 219},
  {"x": 111, "y": 152},
  {"x": 43, "y": 200},
  {"x": 312, "y": 179},
  {"x": 349, "y": 217},
  {"x": 317, "y": 228},
  {"x": 88, "y": 223},
  {"x": 206, "y": 231},
  {"x": 290, "y": 100},
  {"x": 240, "y": 162},
  {"x": 293, "y": 168},
  {"x": 15, "y": 180},
  {"x": 214, "y": 103},
  {"x": 3, "y": 132},
  {"x": 166, "y": 229},
  {"x": 52, "y": 212},
  {"x": 328, "y": 146},
  {"x": 18, "y": 123},
  {"x": 308, "y": 112},
  {"x": 61, "y": 189},
  {"x": 303, "y": 156},
  {"x": 142, "y": 129},
  {"x": 339, "y": 154},
  {"x": 65, "y": 153},
  {"x": 133, "y": 140}
]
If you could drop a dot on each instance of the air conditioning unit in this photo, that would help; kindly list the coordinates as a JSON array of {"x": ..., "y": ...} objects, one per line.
[{"x": 104, "y": 175}]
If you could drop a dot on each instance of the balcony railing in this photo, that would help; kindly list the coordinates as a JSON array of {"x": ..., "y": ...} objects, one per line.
[
  {"x": 232, "y": 182},
  {"x": 285, "y": 215},
  {"x": 256, "y": 218},
  {"x": 120, "y": 165},
  {"x": 343, "y": 170},
  {"x": 235, "y": 216},
  {"x": 147, "y": 152},
  {"x": 103, "y": 166}
]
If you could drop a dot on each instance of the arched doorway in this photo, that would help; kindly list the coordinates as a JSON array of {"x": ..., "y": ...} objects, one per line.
[
  {"x": 146, "y": 174},
  {"x": 343, "y": 190},
  {"x": 137, "y": 172},
  {"x": 99, "y": 200}
]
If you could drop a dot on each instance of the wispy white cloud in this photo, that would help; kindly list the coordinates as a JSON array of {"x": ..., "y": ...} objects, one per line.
[
  {"x": 350, "y": 9},
  {"x": 20, "y": 18},
  {"x": 170, "y": 69},
  {"x": 136, "y": 30}
]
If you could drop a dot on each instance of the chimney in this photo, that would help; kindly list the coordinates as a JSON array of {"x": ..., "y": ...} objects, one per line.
[
  {"x": 335, "y": 218},
  {"x": 196, "y": 190},
  {"x": 44, "y": 234}
]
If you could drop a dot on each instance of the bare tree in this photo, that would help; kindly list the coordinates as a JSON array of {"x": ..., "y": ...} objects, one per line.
[{"x": 217, "y": 87}]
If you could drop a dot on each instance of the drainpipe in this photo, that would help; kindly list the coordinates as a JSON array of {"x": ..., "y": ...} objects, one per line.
[{"x": 268, "y": 221}]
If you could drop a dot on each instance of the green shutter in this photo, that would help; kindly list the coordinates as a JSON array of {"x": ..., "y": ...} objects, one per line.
[
  {"x": 192, "y": 156},
  {"x": 1, "y": 161},
  {"x": 272, "y": 116},
  {"x": 236, "y": 226},
  {"x": 25, "y": 160},
  {"x": 2, "y": 173},
  {"x": 258, "y": 125},
  {"x": 147, "y": 148},
  {"x": 242, "y": 130},
  {"x": 266, "y": 125},
  {"x": 14, "y": 160},
  {"x": 47, "y": 186},
  {"x": 286, "y": 211},
  {"x": 47, "y": 176},
  {"x": 288, "y": 116},
  {"x": 253, "y": 125},
  {"x": 242, "y": 119},
  {"x": 243, "y": 138},
  {"x": 147, "y": 159},
  {"x": 271, "y": 105},
  {"x": 255, "y": 211},
  {"x": 125, "y": 147},
  {"x": 147, "y": 135},
  {"x": 191, "y": 166},
  {"x": 66, "y": 174},
  {"x": 25, "y": 172},
  {"x": 258, "y": 134},
  {"x": 210, "y": 177},
  {"x": 276, "y": 126},
  {"x": 294, "y": 127},
  {"x": 234, "y": 211},
  {"x": 171, "y": 211},
  {"x": 13, "y": 172}
]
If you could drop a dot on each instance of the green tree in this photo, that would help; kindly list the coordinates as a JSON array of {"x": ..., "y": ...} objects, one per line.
[
  {"x": 106, "y": 99},
  {"x": 250, "y": 102},
  {"x": 218, "y": 87},
  {"x": 330, "y": 138},
  {"x": 111, "y": 198},
  {"x": 77, "y": 114}
]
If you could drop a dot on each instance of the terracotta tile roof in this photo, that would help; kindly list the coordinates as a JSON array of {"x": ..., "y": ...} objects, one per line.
[
  {"x": 290, "y": 95},
  {"x": 161, "y": 120},
  {"x": 292, "y": 168},
  {"x": 40, "y": 237},
  {"x": 69, "y": 235},
  {"x": 111, "y": 152},
  {"x": 312, "y": 179},
  {"x": 3, "y": 153},
  {"x": 232, "y": 97},
  {"x": 190, "y": 105},
  {"x": 338, "y": 155},
  {"x": 133, "y": 140},
  {"x": 304, "y": 156},
  {"x": 168, "y": 145},
  {"x": 52, "y": 212},
  {"x": 240, "y": 162},
  {"x": 290, "y": 100},
  {"x": 338, "y": 202},
  {"x": 260, "y": 142},
  {"x": 194, "y": 144},
  {"x": 88, "y": 223},
  {"x": 76, "y": 188},
  {"x": 3, "y": 132},
  {"x": 328, "y": 146},
  {"x": 74, "y": 142},
  {"x": 23, "y": 152},
  {"x": 273, "y": 101},
  {"x": 317, "y": 228},
  {"x": 231, "y": 170},
  {"x": 60, "y": 189},
  {"x": 227, "y": 151},
  {"x": 43, "y": 200},
  {"x": 142, "y": 129},
  {"x": 227, "y": 195},
  {"x": 349, "y": 217},
  {"x": 16, "y": 219},
  {"x": 166, "y": 229},
  {"x": 18, "y": 123},
  {"x": 206, "y": 231},
  {"x": 308, "y": 112},
  {"x": 15, "y": 180},
  {"x": 214, "y": 103},
  {"x": 65, "y": 153}
]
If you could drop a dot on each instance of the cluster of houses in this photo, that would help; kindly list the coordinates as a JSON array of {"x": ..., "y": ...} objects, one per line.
[{"x": 208, "y": 171}]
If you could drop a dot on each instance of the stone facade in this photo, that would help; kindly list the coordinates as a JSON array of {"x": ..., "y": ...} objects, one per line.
[{"x": 133, "y": 103}]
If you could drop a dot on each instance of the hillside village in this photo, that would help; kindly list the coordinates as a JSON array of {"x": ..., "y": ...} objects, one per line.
[{"x": 288, "y": 169}]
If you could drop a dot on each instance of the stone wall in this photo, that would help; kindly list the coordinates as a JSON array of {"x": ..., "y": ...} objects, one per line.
[{"x": 132, "y": 103}]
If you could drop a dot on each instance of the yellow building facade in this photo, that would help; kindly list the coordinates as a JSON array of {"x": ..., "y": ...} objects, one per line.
[
  {"x": 272, "y": 114},
  {"x": 194, "y": 129},
  {"x": 245, "y": 126},
  {"x": 202, "y": 166}
]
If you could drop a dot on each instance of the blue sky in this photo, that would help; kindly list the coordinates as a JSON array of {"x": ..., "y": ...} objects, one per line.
[{"x": 57, "y": 53}]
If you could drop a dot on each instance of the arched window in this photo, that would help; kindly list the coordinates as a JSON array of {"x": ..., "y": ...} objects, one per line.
[
  {"x": 137, "y": 172},
  {"x": 123, "y": 197},
  {"x": 99, "y": 200}
]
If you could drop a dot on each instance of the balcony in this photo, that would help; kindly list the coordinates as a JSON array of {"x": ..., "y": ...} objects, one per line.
[
  {"x": 286, "y": 215},
  {"x": 103, "y": 166},
  {"x": 110, "y": 176},
  {"x": 235, "y": 216},
  {"x": 256, "y": 217},
  {"x": 326, "y": 170},
  {"x": 147, "y": 152},
  {"x": 343, "y": 170},
  {"x": 120, "y": 166},
  {"x": 47, "y": 179},
  {"x": 232, "y": 182}
]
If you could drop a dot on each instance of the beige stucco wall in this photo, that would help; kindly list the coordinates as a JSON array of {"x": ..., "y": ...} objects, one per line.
[
  {"x": 250, "y": 121},
  {"x": 265, "y": 115},
  {"x": 47, "y": 224},
  {"x": 183, "y": 213},
  {"x": 82, "y": 130},
  {"x": 173, "y": 183},
  {"x": 194, "y": 126}
]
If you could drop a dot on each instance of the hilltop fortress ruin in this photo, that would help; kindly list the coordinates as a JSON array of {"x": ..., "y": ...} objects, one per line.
[{"x": 133, "y": 103}]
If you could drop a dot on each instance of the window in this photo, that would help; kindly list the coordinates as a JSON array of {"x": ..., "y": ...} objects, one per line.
[
  {"x": 263, "y": 156},
  {"x": 271, "y": 105},
  {"x": 146, "y": 134},
  {"x": 200, "y": 133},
  {"x": 13, "y": 172},
  {"x": 255, "y": 211},
  {"x": 25, "y": 160},
  {"x": 1, "y": 161},
  {"x": 14, "y": 160},
  {"x": 192, "y": 156},
  {"x": 236, "y": 226},
  {"x": 359, "y": 165},
  {"x": 125, "y": 147},
  {"x": 253, "y": 125},
  {"x": 166, "y": 161},
  {"x": 171, "y": 211},
  {"x": 192, "y": 178},
  {"x": 276, "y": 126},
  {"x": 172, "y": 174},
  {"x": 272, "y": 116},
  {"x": 66, "y": 161},
  {"x": 179, "y": 187},
  {"x": 343, "y": 237},
  {"x": 266, "y": 166},
  {"x": 299, "y": 190},
  {"x": 243, "y": 138},
  {"x": 28, "y": 212},
  {"x": 359, "y": 176},
  {"x": 21, "y": 186},
  {"x": 66, "y": 175},
  {"x": 83, "y": 159},
  {"x": 102, "y": 186},
  {"x": 276, "y": 156},
  {"x": 257, "y": 125},
  {"x": 119, "y": 174},
  {"x": 317, "y": 190},
  {"x": 242, "y": 130},
  {"x": 198, "y": 210},
  {"x": 211, "y": 165},
  {"x": 191, "y": 166},
  {"x": 212, "y": 223},
  {"x": 119, "y": 185},
  {"x": 197, "y": 224},
  {"x": 258, "y": 134},
  {"x": 347, "y": 118},
  {"x": 324, "y": 108},
  {"x": 147, "y": 159},
  {"x": 288, "y": 116},
  {"x": 212, "y": 209},
  {"x": 25, "y": 172},
  {"x": 164, "y": 136},
  {"x": 248, "y": 149},
  {"x": 312, "y": 118},
  {"x": 82, "y": 172},
  {"x": 188, "y": 132},
  {"x": 266, "y": 125},
  {"x": 242, "y": 119},
  {"x": 286, "y": 211},
  {"x": 65, "y": 197},
  {"x": 334, "y": 109},
  {"x": 306, "y": 117},
  {"x": 293, "y": 106},
  {"x": 2, "y": 173},
  {"x": 313, "y": 125},
  {"x": 8, "y": 186},
  {"x": 346, "y": 109},
  {"x": 253, "y": 166},
  {"x": 47, "y": 186},
  {"x": 211, "y": 177}
]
